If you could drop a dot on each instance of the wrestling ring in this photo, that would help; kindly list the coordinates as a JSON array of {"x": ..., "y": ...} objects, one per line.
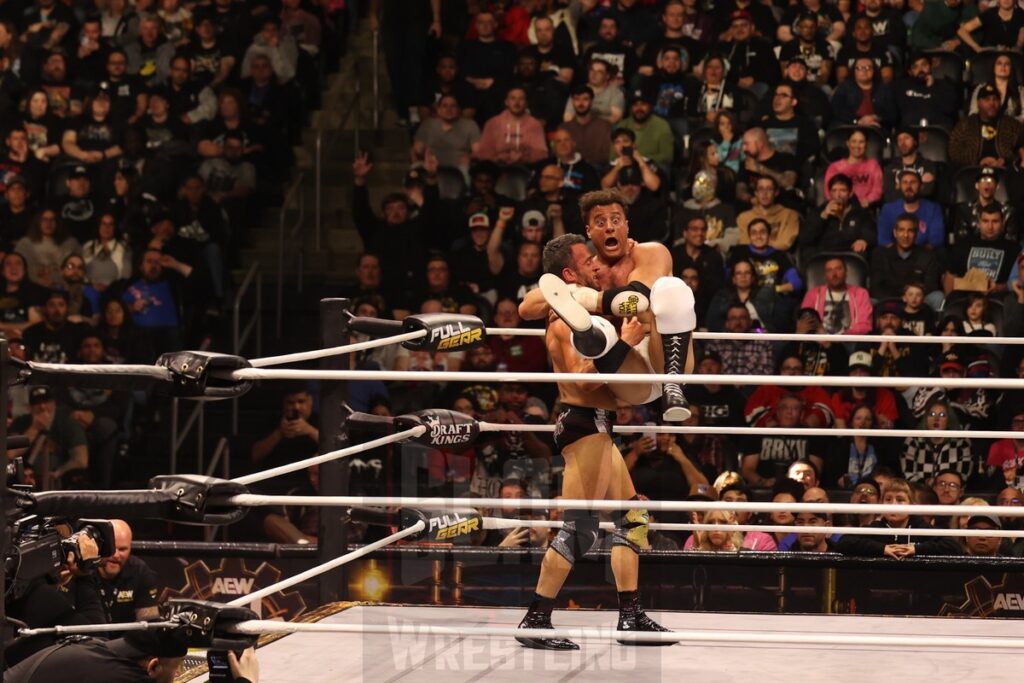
[{"x": 390, "y": 642}]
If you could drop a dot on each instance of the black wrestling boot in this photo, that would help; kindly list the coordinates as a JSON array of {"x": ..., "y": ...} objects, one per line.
[
  {"x": 633, "y": 618},
  {"x": 674, "y": 406},
  {"x": 539, "y": 616}
]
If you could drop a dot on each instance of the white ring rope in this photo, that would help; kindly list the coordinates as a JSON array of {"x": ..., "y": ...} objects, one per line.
[
  {"x": 510, "y": 523},
  {"x": 335, "y": 350},
  {"x": 772, "y": 431},
  {"x": 256, "y": 627},
  {"x": 333, "y": 455},
  {"x": 624, "y": 378},
  {"x": 702, "y": 636},
  {"x": 255, "y": 500},
  {"x": 326, "y": 566}
]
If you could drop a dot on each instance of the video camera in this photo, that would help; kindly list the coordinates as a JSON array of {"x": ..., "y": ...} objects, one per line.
[{"x": 40, "y": 549}]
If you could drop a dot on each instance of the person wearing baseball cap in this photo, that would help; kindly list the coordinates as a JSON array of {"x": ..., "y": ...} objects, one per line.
[
  {"x": 984, "y": 546},
  {"x": 986, "y": 138},
  {"x": 653, "y": 135},
  {"x": 967, "y": 215},
  {"x": 752, "y": 61},
  {"x": 469, "y": 259},
  {"x": 908, "y": 157},
  {"x": 931, "y": 224},
  {"x": 924, "y": 99}
]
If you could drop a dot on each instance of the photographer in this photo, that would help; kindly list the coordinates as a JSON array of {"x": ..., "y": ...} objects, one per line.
[
  {"x": 143, "y": 656},
  {"x": 69, "y": 599},
  {"x": 126, "y": 584}
]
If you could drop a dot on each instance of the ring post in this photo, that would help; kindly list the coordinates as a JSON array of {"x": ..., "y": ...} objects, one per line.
[
  {"x": 5, "y": 528},
  {"x": 332, "y": 536}
]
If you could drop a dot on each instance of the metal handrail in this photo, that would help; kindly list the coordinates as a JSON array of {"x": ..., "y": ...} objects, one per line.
[
  {"x": 376, "y": 81},
  {"x": 296, "y": 188},
  {"x": 241, "y": 335},
  {"x": 354, "y": 106},
  {"x": 221, "y": 454}
]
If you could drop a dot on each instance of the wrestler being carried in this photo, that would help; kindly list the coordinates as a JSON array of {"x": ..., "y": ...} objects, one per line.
[
  {"x": 638, "y": 282},
  {"x": 594, "y": 467}
]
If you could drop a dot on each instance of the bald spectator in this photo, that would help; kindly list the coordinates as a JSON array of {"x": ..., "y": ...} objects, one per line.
[{"x": 127, "y": 586}]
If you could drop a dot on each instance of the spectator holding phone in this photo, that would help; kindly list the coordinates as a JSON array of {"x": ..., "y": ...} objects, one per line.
[{"x": 297, "y": 435}]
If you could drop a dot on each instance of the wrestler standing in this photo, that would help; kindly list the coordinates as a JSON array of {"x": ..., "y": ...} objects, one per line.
[
  {"x": 594, "y": 467},
  {"x": 640, "y": 283}
]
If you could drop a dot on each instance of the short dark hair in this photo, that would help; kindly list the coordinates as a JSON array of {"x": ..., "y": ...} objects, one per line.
[
  {"x": 558, "y": 252},
  {"x": 950, "y": 471},
  {"x": 904, "y": 217},
  {"x": 840, "y": 178},
  {"x": 624, "y": 131},
  {"x": 592, "y": 200},
  {"x": 993, "y": 208}
]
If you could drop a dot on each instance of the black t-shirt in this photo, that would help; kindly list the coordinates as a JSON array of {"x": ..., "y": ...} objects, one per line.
[
  {"x": 775, "y": 453},
  {"x": 659, "y": 477},
  {"x": 124, "y": 97},
  {"x": 160, "y": 136},
  {"x": 91, "y": 660},
  {"x": 205, "y": 60},
  {"x": 995, "y": 258},
  {"x": 514, "y": 285},
  {"x": 471, "y": 266},
  {"x": 723, "y": 408},
  {"x": 44, "y": 345},
  {"x": 998, "y": 33},
  {"x": 14, "y": 305},
  {"x": 888, "y": 27},
  {"x": 95, "y": 136},
  {"x": 132, "y": 589},
  {"x": 813, "y": 54},
  {"x": 827, "y": 15},
  {"x": 43, "y": 132},
  {"x": 549, "y": 63},
  {"x": 878, "y": 54},
  {"x": 79, "y": 216},
  {"x": 797, "y": 136}
]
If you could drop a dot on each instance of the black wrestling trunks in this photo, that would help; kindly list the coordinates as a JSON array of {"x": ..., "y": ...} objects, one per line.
[{"x": 574, "y": 423}]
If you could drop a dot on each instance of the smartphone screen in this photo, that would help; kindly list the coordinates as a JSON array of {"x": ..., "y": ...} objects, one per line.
[{"x": 220, "y": 670}]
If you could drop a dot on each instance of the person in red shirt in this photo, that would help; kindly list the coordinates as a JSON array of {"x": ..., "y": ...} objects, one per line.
[
  {"x": 762, "y": 404},
  {"x": 1007, "y": 455},
  {"x": 881, "y": 400},
  {"x": 516, "y": 354}
]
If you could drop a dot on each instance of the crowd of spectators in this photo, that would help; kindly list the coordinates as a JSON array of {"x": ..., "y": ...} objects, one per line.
[
  {"x": 847, "y": 168},
  {"x": 141, "y": 140}
]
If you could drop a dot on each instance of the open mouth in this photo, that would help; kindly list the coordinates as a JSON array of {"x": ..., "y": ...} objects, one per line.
[{"x": 611, "y": 243}]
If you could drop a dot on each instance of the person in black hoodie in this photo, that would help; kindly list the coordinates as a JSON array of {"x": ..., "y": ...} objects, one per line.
[
  {"x": 402, "y": 269},
  {"x": 900, "y": 545}
]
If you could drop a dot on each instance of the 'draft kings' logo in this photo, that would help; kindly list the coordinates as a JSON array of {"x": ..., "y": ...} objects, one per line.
[
  {"x": 232, "y": 579},
  {"x": 984, "y": 599}
]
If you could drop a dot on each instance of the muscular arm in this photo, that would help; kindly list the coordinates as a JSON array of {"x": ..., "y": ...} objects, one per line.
[
  {"x": 533, "y": 306},
  {"x": 565, "y": 358},
  {"x": 651, "y": 260}
]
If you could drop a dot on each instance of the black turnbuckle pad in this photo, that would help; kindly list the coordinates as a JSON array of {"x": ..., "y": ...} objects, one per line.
[
  {"x": 190, "y": 498},
  {"x": 457, "y": 525},
  {"x": 207, "y": 624},
  {"x": 204, "y": 375},
  {"x": 445, "y": 429}
]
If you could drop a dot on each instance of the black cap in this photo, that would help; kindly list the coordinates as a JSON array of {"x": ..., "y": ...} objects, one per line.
[
  {"x": 37, "y": 395},
  {"x": 16, "y": 179},
  {"x": 102, "y": 88},
  {"x": 988, "y": 90},
  {"x": 987, "y": 172},
  {"x": 890, "y": 307},
  {"x": 79, "y": 172},
  {"x": 414, "y": 177},
  {"x": 974, "y": 520},
  {"x": 711, "y": 355},
  {"x": 798, "y": 59},
  {"x": 643, "y": 94},
  {"x": 163, "y": 643}
]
